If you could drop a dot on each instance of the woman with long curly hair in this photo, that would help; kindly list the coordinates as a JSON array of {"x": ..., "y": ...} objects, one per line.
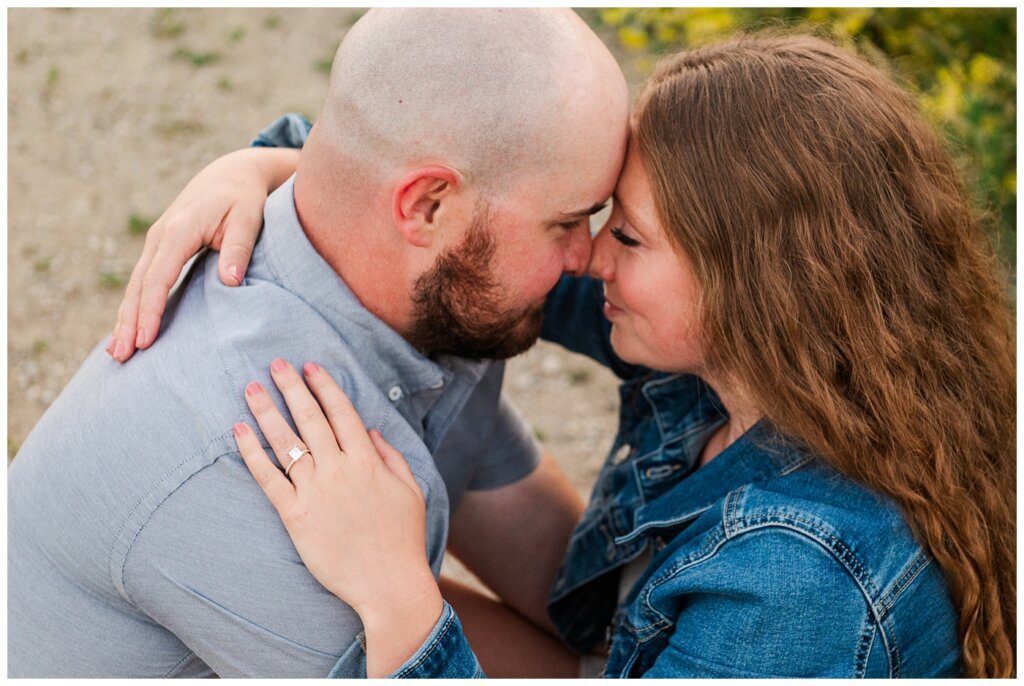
[{"x": 814, "y": 474}]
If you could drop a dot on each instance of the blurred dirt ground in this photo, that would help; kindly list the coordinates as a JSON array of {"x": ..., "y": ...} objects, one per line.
[{"x": 110, "y": 112}]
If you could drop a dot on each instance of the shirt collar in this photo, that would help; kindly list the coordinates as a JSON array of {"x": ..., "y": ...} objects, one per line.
[{"x": 294, "y": 263}]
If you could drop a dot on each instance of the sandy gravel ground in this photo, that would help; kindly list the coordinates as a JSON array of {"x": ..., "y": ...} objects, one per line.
[{"x": 110, "y": 112}]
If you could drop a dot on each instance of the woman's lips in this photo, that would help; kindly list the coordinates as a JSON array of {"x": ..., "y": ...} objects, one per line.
[{"x": 611, "y": 311}]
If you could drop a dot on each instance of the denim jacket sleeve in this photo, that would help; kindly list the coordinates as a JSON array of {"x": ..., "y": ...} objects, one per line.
[
  {"x": 445, "y": 654},
  {"x": 573, "y": 318},
  {"x": 287, "y": 131},
  {"x": 797, "y": 612}
]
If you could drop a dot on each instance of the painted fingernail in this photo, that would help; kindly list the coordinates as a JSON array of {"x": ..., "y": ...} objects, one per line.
[
  {"x": 233, "y": 275},
  {"x": 309, "y": 369},
  {"x": 240, "y": 429},
  {"x": 279, "y": 365},
  {"x": 253, "y": 388}
]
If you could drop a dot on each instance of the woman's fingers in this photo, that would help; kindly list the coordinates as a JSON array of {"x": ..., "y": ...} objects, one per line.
[
  {"x": 279, "y": 435},
  {"x": 175, "y": 249},
  {"x": 305, "y": 411},
  {"x": 240, "y": 234},
  {"x": 394, "y": 461},
  {"x": 345, "y": 421},
  {"x": 122, "y": 342},
  {"x": 278, "y": 488}
]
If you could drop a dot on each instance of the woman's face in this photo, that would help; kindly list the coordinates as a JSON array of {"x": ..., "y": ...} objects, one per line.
[{"x": 650, "y": 292}]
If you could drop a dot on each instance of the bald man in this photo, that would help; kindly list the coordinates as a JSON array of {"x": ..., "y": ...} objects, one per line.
[{"x": 440, "y": 196}]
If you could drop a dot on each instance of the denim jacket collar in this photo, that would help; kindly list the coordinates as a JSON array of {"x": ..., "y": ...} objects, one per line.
[{"x": 757, "y": 455}]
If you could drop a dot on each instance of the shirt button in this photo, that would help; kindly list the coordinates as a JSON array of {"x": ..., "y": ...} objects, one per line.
[{"x": 395, "y": 394}]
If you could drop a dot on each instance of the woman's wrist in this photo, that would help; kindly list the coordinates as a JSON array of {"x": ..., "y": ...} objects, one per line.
[
  {"x": 274, "y": 165},
  {"x": 397, "y": 623}
]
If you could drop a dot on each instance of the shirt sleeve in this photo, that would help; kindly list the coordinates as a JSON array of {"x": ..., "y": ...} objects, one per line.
[
  {"x": 214, "y": 565},
  {"x": 510, "y": 451},
  {"x": 287, "y": 131},
  {"x": 574, "y": 319},
  {"x": 775, "y": 603}
]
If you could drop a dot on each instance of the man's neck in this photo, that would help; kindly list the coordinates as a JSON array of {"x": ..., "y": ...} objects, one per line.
[{"x": 373, "y": 269}]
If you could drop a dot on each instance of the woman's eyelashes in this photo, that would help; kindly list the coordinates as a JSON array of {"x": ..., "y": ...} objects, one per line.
[
  {"x": 569, "y": 226},
  {"x": 619, "y": 235}
]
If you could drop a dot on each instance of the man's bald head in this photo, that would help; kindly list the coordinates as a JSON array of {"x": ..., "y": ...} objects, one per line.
[
  {"x": 449, "y": 129},
  {"x": 487, "y": 91}
]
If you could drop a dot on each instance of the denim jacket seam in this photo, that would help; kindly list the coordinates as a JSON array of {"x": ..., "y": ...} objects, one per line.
[
  {"x": 863, "y": 653},
  {"x": 706, "y": 552},
  {"x": 812, "y": 528},
  {"x": 834, "y": 545},
  {"x": 906, "y": 580},
  {"x": 427, "y": 650}
]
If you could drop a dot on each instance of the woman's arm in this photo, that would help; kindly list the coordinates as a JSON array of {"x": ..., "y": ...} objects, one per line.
[
  {"x": 357, "y": 518},
  {"x": 222, "y": 207}
]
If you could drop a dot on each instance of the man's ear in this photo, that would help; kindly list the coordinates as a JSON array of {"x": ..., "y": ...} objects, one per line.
[{"x": 419, "y": 197}]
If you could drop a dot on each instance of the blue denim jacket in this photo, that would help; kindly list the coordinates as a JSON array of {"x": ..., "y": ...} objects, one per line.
[{"x": 765, "y": 562}]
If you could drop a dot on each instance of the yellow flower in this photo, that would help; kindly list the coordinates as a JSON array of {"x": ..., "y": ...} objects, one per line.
[
  {"x": 633, "y": 37},
  {"x": 984, "y": 70}
]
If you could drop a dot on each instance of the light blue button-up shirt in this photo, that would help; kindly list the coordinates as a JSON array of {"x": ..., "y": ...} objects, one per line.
[{"x": 138, "y": 542}]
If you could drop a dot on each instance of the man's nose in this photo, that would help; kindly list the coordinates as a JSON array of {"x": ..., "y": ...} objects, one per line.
[
  {"x": 577, "y": 256},
  {"x": 601, "y": 262}
]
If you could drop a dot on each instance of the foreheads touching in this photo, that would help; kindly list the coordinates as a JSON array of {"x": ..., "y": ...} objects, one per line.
[{"x": 490, "y": 93}]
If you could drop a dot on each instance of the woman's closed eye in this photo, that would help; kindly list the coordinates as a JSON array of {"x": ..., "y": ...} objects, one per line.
[{"x": 619, "y": 235}]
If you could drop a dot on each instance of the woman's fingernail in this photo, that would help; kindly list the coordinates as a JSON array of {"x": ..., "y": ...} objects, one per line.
[
  {"x": 140, "y": 340},
  {"x": 240, "y": 429},
  {"x": 309, "y": 369},
  {"x": 120, "y": 349},
  {"x": 253, "y": 388},
  {"x": 279, "y": 365},
  {"x": 233, "y": 275}
]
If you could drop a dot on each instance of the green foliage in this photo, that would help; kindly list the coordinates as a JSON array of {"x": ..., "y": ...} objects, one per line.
[
  {"x": 42, "y": 265},
  {"x": 166, "y": 23},
  {"x": 112, "y": 280},
  {"x": 196, "y": 59},
  {"x": 138, "y": 225},
  {"x": 224, "y": 83},
  {"x": 236, "y": 34},
  {"x": 272, "y": 22},
  {"x": 960, "y": 62},
  {"x": 52, "y": 76},
  {"x": 324, "y": 65},
  {"x": 39, "y": 346},
  {"x": 178, "y": 128}
]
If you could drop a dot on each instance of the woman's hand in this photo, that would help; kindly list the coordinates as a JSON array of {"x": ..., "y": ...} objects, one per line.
[
  {"x": 352, "y": 508},
  {"x": 222, "y": 207}
]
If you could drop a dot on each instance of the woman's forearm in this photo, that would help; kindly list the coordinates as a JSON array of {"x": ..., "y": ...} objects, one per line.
[
  {"x": 274, "y": 165},
  {"x": 398, "y": 624}
]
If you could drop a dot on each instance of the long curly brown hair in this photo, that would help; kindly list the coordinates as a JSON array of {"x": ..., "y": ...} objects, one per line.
[{"x": 847, "y": 288}]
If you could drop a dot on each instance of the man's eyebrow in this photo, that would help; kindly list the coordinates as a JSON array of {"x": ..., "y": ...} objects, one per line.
[{"x": 579, "y": 214}]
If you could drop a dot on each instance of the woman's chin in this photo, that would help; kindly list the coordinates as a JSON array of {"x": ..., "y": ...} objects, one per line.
[{"x": 622, "y": 345}]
